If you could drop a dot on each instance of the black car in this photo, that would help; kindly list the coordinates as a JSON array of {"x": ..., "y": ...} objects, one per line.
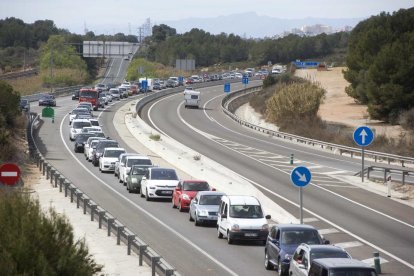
[
  {"x": 98, "y": 151},
  {"x": 24, "y": 105},
  {"x": 282, "y": 241},
  {"x": 81, "y": 138},
  {"x": 75, "y": 95},
  {"x": 47, "y": 100}
]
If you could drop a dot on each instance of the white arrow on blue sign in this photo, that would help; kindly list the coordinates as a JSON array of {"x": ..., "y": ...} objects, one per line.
[
  {"x": 301, "y": 176},
  {"x": 363, "y": 136}
]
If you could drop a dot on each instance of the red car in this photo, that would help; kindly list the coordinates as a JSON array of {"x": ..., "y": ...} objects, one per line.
[{"x": 185, "y": 191}]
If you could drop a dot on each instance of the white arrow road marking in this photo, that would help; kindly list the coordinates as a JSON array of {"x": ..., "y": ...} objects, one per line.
[
  {"x": 363, "y": 134},
  {"x": 302, "y": 177},
  {"x": 9, "y": 174}
]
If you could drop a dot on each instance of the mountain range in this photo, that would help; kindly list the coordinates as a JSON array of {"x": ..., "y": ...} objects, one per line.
[{"x": 251, "y": 25}]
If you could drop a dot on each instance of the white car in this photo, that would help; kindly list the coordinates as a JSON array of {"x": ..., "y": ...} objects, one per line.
[
  {"x": 75, "y": 112},
  {"x": 158, "y": 183},
  {"x": 126, "y": 164},
  {"x": 88, "y": 148},
  {"x": 103, "y": 96},
  {"x": 121, "y": 159},
  {"x": 116, "y": 95},
  {"x": 77, "y": 126},
  {"x": 108, "y": 159}
]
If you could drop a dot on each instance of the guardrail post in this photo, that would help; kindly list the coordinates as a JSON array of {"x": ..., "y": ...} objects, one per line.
[
  {"x": 403, "y": 177},
  {"x": 154, "y": 261},
  {"x": 44, "y": 168},
  {"x": 67, "y": 183},
  {"x": 78, "y": 194},
  {"x": 130, "y": 238},
  {"x": 377, "y": 262},
  {"x": 57, "y": 175},
  {"x": 101, "y": 214},
  {"x": 110, "y": 222},
  {"x": 118, "y": 234},
  {"x": 72, "y": 190},
  {"x": 52, "y": 174},
  {"x": 85, "y": 203},
  {"x": 142, "y": 249},
  {"x": 61, "y": 181},
  {"x": 48, "y": 167},
  {"x": 93, "y": 208},
  {"x": 368, "y": 171}
]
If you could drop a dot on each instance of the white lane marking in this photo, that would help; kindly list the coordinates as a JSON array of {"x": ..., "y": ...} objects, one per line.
[
  {"x": 315, "y": 167},
  {"x": 308, "y": 220},
  {"x": 337, "y": 186},
  {"x": 9, "y": 174},
  {"x": 334, "y": 172},
  {"x": 172, "y": 230},
  {"x": 109, "y": 71},
  {"x": 370, "y": 261},
  {"x": 328, "y": 231},
  {"x": 351, "y": 244},
  {"x": 307, "y": 210}
]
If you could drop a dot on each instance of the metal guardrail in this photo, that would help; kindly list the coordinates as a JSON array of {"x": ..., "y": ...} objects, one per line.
[
  {"x": 14, "y": 75},
  {"x": 104, "y": 218},
  {"x": 386, "y": 172},
  {"x": 229, "y": 109},
  {"x": 58, "y": 92}
]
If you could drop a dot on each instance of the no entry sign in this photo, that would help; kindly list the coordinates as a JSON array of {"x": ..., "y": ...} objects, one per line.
[{"x": 9, "y": 174}]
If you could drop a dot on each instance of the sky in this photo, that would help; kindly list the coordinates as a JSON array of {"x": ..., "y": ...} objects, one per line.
[{"x": 113, "y": 16}]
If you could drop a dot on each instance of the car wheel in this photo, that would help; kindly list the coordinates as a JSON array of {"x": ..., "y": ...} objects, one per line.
[
  {"x": 190, "y": 217},
  {"x": 142, "y": 194},
  {"x": 229, "y": 240},
  {"x": 147, "y": 196},
  {"x": 180, "y": 207},
  {"x": 268, "y": 265},
  {"x": 279, "y": 269},
  {"x": 219, "y": 234},
  {"x": 138, "y": 190},
  {"x": 196, "y": 222},
  {"x": 173, "y": 205}
]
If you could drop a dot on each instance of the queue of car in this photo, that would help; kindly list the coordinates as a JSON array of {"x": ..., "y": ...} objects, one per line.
[{"x": 290, "y": 249}]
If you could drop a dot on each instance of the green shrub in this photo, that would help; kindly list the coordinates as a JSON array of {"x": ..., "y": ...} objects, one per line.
[{"x": 35, "y": 243}]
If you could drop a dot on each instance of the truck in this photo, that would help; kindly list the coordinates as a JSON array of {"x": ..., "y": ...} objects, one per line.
[
  {"x": 191, "y": 98},
  {"x": 89, "y": 95},
  {"x": 150, "y": 84}
]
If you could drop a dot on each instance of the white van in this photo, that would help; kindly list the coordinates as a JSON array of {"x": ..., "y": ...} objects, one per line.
[
  {"x": 242, "y": 218},
  {"x": 191, "y": 98}
]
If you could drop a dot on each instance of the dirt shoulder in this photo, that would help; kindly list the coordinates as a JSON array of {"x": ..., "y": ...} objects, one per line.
[{"x": 339, "y": 108}]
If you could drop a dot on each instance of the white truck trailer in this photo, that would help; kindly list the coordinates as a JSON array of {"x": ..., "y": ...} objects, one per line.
[{"x": 191, "y": 98}]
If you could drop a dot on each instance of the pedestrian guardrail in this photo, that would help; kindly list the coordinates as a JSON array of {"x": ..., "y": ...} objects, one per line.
[
  {"x": 387, "y": 172},
  {"x": 235, "y": 99},
  {"x": 104, "y": 219}
]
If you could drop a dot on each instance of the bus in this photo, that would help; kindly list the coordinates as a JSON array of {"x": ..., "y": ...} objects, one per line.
[{"x": 89, "y": 95}]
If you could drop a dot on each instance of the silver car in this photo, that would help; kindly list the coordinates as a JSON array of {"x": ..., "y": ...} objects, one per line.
[{"x": 204, "y": 207}]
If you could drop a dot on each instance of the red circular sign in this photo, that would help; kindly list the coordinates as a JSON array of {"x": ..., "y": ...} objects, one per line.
[{"x": 9, "y": 174}]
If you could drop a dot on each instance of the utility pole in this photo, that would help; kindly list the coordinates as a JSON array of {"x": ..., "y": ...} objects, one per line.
[{"x": 51, "y": 70}]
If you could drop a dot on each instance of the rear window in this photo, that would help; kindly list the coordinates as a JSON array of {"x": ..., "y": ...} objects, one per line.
[
  {"x": 132, "y": 162},
  {"x": 81, "y": 124},
  {"x": 164, "y": 175},
  {"x": 194, "y": 97},
  {"x": 196, "y": 186},
  {"x": 322, "y": 255}
]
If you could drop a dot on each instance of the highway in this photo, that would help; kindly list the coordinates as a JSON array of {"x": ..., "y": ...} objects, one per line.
[{"x": 344, "y": 213}]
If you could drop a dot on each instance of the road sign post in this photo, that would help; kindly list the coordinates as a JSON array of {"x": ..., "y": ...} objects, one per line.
[
  {"x": 9, "y": 174},
  {"x": 363, "y": 136},
  {"x": 300, "y": 176}
]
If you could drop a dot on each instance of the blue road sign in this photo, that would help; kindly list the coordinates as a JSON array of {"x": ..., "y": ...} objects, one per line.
[
  {"x": 227, "y": 87},
  {"x": 363, "y": 136},
  {"x": 300, "y": 176},
  {"x": 144, "y": 85},
  {"x": 245, "y": 80}
]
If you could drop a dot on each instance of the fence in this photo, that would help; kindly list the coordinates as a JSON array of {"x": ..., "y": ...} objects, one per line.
[
  {"x": 104, "y": 218},
  {"x": 233, "y": 100}
]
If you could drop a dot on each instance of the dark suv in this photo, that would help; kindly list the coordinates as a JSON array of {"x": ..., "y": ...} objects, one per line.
[
  {"x": 100, "y": 146},
  {"x": 282, "y": 241}
]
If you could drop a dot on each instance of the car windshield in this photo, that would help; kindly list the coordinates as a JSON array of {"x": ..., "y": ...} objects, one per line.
[
  {"x": 195, "y": 186},
  {"x": 327, "y": 254},
  {"x": 246, "y": 211},
  {"x": 210, "y": 200},
  {"x": 108, "y": 144},
  {"x": 132, "y": 162},
  {"x": 164, "y": 175},
  {"x": 94, "y": 123},
  {"x": 88, "y": 94},
  {"x": 113, "y": 153},
  {"x": 81, "y": 124},
  {"x": 139, "y": 170},
  {"x": 308, "y": 236},
  {"x": 79, "y": 110},
  {"x": 351, "y": 272}
]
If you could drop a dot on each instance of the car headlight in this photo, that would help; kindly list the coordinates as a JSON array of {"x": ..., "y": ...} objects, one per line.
[
  {"x": 235, "y": 227},
  {"x": 202, "y": 213},
  {"x": 186, "y": 197}
]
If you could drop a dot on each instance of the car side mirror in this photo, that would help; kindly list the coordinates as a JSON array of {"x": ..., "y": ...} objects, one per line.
[
  {"x": 213, "y": 189},
  {"x": 268, "y": 217},
  {"x": 177, "y": 188},
  {"x": 326, "y": 242}
]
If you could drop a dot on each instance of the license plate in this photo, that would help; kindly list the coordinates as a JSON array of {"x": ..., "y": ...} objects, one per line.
[
  {"x": 250, "y": 235},
  {"x": 166, "y": 192}
]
